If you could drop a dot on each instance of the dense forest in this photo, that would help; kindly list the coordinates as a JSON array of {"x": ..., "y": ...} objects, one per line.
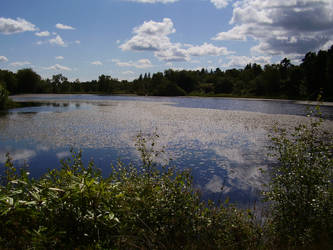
[{"x": 283, "y": 80}]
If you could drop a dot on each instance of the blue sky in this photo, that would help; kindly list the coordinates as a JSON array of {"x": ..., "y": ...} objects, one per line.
[{"x": 123, "y": 38}]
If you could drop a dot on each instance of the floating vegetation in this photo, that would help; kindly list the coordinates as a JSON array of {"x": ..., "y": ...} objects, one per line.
[{"x": 230, "y": 145}]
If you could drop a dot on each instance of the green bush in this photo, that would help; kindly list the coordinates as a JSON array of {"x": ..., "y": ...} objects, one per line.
[
  {"x": 300, "y": 191},
  {"x": 156, "y": 207},
  {"x": 3, "y": 96},
  {"x": 147, "y": 208}
]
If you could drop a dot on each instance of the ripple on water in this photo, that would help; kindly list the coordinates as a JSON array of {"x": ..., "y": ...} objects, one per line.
[{"x": 222, "y": 147}]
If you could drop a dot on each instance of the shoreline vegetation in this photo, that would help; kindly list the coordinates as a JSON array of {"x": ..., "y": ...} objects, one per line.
[
  {"x": 306, "y": 81},
  {"x": 149, "y": 207}
]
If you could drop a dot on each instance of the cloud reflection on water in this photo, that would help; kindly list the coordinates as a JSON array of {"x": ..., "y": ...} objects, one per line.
[{"x": 222, "y": 147}]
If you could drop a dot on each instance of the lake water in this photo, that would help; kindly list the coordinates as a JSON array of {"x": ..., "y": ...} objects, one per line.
[{"x": 223, "y": 141}]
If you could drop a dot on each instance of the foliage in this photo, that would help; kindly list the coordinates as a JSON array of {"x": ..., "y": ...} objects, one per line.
[
  {"x": 301, "y": 191},
  {"x": 150, "y": 207},
  {"x": 28, "y": 81},
  {"x": 282, "y": 80},
  {"x": 3, "y": 97}
]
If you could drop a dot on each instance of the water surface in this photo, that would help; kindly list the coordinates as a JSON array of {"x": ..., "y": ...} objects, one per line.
[{"x": 222, "y": 141}]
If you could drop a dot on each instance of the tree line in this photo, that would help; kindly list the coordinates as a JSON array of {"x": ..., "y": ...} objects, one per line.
[{"x": 284, "y": 80}]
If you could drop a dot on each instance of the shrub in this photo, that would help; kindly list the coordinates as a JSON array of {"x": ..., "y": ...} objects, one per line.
[
  {"x": 150, "y": 207},
  {"x": 300, "y": 191}
]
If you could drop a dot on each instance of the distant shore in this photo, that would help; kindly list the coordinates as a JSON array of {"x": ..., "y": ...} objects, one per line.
[{"x": 304, "y": 102}]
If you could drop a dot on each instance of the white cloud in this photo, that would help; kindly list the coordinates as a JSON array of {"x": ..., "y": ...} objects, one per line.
[
  {"x": 220, "y": 3},
  {"x": 64, "y": 27},
  {"x": 241, "y": 61},
  {"x": 42, "y": 33},
  {"x": 282, "y": 27},
  {"x": 207, "y": 49},
  {"x": 140, "y": 64},
  {"x": 150, "y": 36},
  {"x": 59, "y": 57},
  {"x": 3, "y": 59},
  {"x": 128, "y": 72},
  {"x": 327, "y": 45},
  {"x": 77, "y": 41},
  {"x": 153, "y": 1},
  {"x": 154, "y": 36},
  {"x": 20, "y": 64},
  {"x": 97, "y": 63},
  {"x": 173, "y": 53},
  {"x": 10, "y": 26},
  {"x": 57, "y": 41},
  {"x": 58, "y": 67}
]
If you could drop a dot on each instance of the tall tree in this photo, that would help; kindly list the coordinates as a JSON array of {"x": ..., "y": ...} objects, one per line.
[{"x": 27, "y": 80}]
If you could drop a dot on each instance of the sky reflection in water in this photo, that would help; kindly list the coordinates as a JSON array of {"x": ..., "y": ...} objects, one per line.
[{"x": 223, "y": 148}]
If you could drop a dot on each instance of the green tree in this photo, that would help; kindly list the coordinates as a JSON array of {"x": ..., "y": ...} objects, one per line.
[
  {"x": 223, "y": 85},
  {"x": 9, "y": 81},
  {"x": 105, "y": 84},
  {"x": 3, "y": 96},
  {"x": 27, "y": 80}
]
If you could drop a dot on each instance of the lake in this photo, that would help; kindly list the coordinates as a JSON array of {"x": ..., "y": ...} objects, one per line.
[{"x": 223, "y": 141}]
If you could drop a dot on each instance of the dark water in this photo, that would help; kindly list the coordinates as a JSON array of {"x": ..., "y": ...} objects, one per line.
[{"x": 222, "y": 141}]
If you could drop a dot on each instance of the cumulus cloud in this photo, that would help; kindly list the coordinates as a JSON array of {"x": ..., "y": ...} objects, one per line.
[
  {"x": 282, "y": 26},
  {"x": 241, "y": 61},
  {"x": 150, "y": 36},
  {"x": 3, "y": 59},
  {"x": 42, "y": 33},
  {"x": 207, "y": 49},
  {"x": 153, "y": 1},
  {"x": 59, "y": 57},
  {"x": 10, "y": 26},
  {"x": 173, "y": 53},
  {"x": 57, "y": 41},
  {"x": 58, "y": 67},
  {"x": 20, "y": 64},
  {"x": 96, "y": 63},
  {"x": 140, "y": 64},
  {"x": 220, "y": 3},
  {"x": 154, "y": 36},
  {"x": 64, "y": 27}
]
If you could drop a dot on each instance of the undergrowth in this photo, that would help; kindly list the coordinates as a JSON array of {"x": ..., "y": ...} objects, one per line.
[
  {"x": 133, "y": 208},
  {"x": 151, "y": 207}
]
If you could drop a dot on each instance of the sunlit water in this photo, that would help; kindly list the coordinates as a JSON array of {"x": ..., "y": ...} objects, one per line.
[{"x": 222, "y": 141}]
